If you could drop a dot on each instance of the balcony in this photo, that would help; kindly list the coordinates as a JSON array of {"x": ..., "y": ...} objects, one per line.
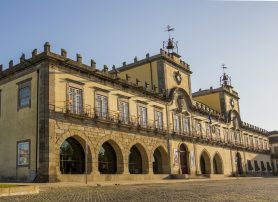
[{"x": 115, "y": 119}]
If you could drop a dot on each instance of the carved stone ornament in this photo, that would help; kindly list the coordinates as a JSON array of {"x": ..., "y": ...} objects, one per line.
[
  {"x": 181, "y": 104},
  {"x": 178, "y": 78}
]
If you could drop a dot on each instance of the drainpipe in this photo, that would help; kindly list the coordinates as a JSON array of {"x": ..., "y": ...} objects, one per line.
[{"x": 37, "y": 125}]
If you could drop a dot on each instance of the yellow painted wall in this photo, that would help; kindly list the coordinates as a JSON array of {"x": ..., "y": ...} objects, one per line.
[
  {"x": 212, "y": 100},
  {"x": 143, "y": 73},
  {"x": 89, "y": 90},
  {"x": 170, "y": 79},
  {"x": 17, "y": 126}
]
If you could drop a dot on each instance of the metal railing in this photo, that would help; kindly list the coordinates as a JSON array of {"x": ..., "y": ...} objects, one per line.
[{"x": 105, "y": 115}]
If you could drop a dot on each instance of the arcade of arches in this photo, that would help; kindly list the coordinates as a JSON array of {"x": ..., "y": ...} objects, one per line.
[{"x": 111, "y": 159}]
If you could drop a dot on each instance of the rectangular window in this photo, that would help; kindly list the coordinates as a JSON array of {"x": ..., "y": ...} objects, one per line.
[
  {"x": 75, "y": 103},
  {"x": 247, "y": 141},
  {"x": 23, "y": 153},
  {"x": 186, "y": 125},
  {"x": 101, "y": 105},
  {"x": 226, "y": 135},
  {"x": 198, "y": 126},
  {"x": 209, "y": 130},
  {"x": 158, "y": 118},
  {"x": 142, "y": 116},
  {"x": 176, "y": 120},
  {"x": 217, "y": 133},
  {"x": 24, "y": 94},
  {"x": 124, "y": 112}
]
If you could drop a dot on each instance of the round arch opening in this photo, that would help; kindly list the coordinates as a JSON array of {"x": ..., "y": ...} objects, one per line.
[
  {"x": 239, "y": 164},
  {"x": 217, "y": 164},
  {"x": 137, "y": 160},
  {"x": 107, "y": 159},
  {"x": 205, "y": 166},
  {"x": 160, "y": 161},
  {"x": 184, "y": 159},
  {"x": 72, "y": 157}
]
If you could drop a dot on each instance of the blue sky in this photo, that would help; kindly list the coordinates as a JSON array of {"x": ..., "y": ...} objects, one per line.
[{"x": 243, "y": 35}]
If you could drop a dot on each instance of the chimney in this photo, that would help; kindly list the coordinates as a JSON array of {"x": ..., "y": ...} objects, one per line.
[
  {"x": 11, "y": 64},
  {"x": 1, "y": 68}
]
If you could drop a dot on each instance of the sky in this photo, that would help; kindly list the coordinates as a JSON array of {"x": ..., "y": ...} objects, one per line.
[{"x": 241, "y": 34}]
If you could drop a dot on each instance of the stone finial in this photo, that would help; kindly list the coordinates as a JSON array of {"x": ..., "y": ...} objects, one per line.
[
  {"x": 105, "y": 68},
  {"x": 47, "y": 47},
  {"x": 115, "y": 71},
  {"x": 93, "y": 64},
  {"x": 63, "y": 53},
  {"x": 79, "y": 58},
  {"x": 147, "y": 55},
  {"x": 124, "y": 63},
  {"x": 22, "y": 58},
  {"x": 34, "y": 52},
  {"x": 11, "y": 64},
  {"x": 1, "y": 68},
  {"x": 135, "y": 59}
]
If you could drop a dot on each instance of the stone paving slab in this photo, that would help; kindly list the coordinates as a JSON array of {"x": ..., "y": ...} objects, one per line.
[{"x": 242, "y": 189}]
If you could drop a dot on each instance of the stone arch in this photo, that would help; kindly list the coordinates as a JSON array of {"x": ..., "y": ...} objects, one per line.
[
  {"x": 144, "y": 158},
  {"x": 217, "y": 164},
  {"x": 82, "y": 140},
  {"x": 118, "y": 151},
  {"x": 184, "y": 159},
  {"x": 160, "y": 160},
  {"x": 205, "y": 162}
]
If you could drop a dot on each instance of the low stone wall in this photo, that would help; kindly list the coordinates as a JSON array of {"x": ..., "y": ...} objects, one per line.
[
  {"x": 19, "y": 190},
  {"x": 114, "y": 177}
]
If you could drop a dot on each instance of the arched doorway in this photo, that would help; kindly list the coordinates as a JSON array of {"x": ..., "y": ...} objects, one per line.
[
  {"x": 205, "y": 166},
  {"x": 184, "y": 159},
  {"x": 157, "y": 162},
  {"x": 72, "y": 157},
  {"x": 239, "y": 164},
  {"x": 107, "y": 159},
  {"x": 217, "y": 164},
  {"x": 135, "y": 161},
  {"x": 160, "y": 161}
]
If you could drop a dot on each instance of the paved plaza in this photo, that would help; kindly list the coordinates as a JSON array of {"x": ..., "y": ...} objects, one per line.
[{"x": 243, "y": 189}]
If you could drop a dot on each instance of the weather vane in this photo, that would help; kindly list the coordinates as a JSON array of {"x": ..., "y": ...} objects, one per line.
[
  {"x": 171, "y": 44},
  {"x": 223, "y": 67},
  {"x": 225, "y": 79},
  {"x": 169, "y": 29}
]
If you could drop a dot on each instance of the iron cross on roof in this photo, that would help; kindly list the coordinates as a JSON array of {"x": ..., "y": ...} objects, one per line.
[{"x": 169, "y": 29}]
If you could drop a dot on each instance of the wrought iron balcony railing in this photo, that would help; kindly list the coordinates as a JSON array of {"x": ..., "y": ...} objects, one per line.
[{"x": 109, "y": 116}]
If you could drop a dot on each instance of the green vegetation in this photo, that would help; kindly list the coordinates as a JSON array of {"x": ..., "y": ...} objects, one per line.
[{"x": 7, "y": 185}]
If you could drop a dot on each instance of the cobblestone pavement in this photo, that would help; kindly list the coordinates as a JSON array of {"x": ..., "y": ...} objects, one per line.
[{"x": 263, "y": 189}]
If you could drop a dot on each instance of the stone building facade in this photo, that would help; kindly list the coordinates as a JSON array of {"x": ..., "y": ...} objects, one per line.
[
  {"x": 62, "y": 120},
  {"x": 273, "y": 142}
]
